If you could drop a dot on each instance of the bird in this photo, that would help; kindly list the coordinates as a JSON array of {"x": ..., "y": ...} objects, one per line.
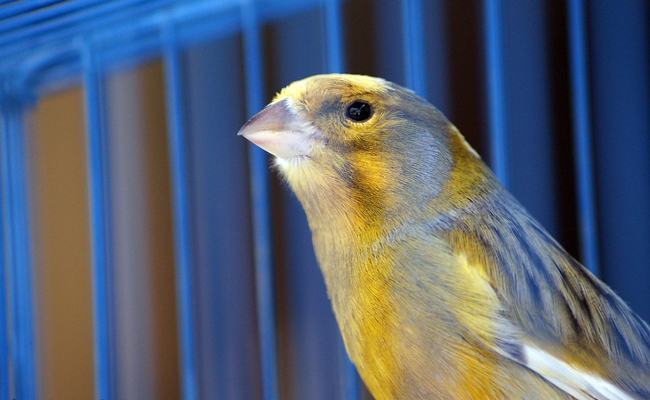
[{"x": 442, "y": 284}]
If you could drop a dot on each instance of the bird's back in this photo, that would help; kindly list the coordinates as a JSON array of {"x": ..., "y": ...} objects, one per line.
[{"x": 557, "y": 307}]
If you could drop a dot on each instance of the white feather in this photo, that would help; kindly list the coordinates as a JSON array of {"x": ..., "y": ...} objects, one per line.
[{"x": 579, "y": 384}]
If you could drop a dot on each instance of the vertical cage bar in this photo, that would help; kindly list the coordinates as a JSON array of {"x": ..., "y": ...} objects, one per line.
[
  {"x": 496, "y": 89},
  {"x": 21, "y": 325},
  {"x": 335, "y": 63},
  {"x": 23, "y": 275},
  {"x": 413, "y": 43},
  {"x": 5, "y": 313},
  {"x": 100, "y": 227},
  {"x": 582, "y": 141},
  {"x": 333, "y": 25},
  {"x": 261, "y": 208},
  {"x": 5, "y": 363},
  {"x": 180, "y": 176}
]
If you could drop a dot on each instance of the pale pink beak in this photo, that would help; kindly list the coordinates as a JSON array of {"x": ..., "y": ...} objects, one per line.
[{"x": 280, "y": 131}]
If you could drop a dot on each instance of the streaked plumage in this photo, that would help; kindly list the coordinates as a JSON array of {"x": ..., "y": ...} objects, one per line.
[{"x": 443, "y": 286}]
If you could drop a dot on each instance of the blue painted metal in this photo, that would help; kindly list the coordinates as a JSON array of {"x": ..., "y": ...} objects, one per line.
[
  {"x": 18, "y": 252},
  {"x": 311, "y": 365},
  {"x": 333, "y": 27},
  {"x": 181, "y": 180},
  {"x": 100, "y": 227},
  {"x": 437, "y": 52},
  {"x": 47, "y": 24},
  {"x": 261, "y": 208},
  {"x": 16, "y": 9},
  {"x": 5, "y": 360},
  {"x": 582, "y": 141},
  {"x": 496, "y": 89},
  {"x": 37, "y": 49},
  {"x": 7, "y": 237},
  {"x": 413, "y": 43},
  {"x": 122, "y": 19},
  {"x": 531, "y": 120},
  {"x": 335, "y": 63},
  {"x": 24, "y": 317}
]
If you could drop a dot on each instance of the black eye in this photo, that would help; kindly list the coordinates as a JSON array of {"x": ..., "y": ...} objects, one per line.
[{"x": 359, "y": 111}]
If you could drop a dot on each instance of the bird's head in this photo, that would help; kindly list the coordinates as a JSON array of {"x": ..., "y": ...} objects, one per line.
[{"x": 358, "y": 147}]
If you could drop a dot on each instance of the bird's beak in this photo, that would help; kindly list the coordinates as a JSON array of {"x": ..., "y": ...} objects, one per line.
[{"x": 280, "y": 131}]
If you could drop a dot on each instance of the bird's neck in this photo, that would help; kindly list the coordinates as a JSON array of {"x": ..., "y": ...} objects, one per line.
[{"x": 344, "y": 241}]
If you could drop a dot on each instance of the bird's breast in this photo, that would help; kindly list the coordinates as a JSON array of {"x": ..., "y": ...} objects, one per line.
[{"x": 407, "y": 344}]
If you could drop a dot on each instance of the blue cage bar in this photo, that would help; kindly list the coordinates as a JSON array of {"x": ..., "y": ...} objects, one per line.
[
  {"x": 261, "y": 207},
  {"x": 19, "y": 351},
  {"x": 100, "y": 210},
  {"x": 496, "y": 89},
  {"x": 583, "y": 146},
  {"x": 182, "y": 216}
]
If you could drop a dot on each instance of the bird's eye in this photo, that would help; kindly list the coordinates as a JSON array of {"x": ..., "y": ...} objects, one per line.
[{"x": 359, "y": 111}]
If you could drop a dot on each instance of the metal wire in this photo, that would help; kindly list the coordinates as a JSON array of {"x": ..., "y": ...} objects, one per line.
[
  {"x": 261, "y": 209},
  {"x": 181, "y": 181},
  {"x": 100, "y": 227}
]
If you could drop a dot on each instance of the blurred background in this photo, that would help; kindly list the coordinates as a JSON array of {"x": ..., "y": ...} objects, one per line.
[{"x": 147, "y": 251}]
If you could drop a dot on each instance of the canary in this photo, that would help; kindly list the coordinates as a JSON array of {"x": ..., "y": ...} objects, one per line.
[{"x": 443, "y": 286}]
